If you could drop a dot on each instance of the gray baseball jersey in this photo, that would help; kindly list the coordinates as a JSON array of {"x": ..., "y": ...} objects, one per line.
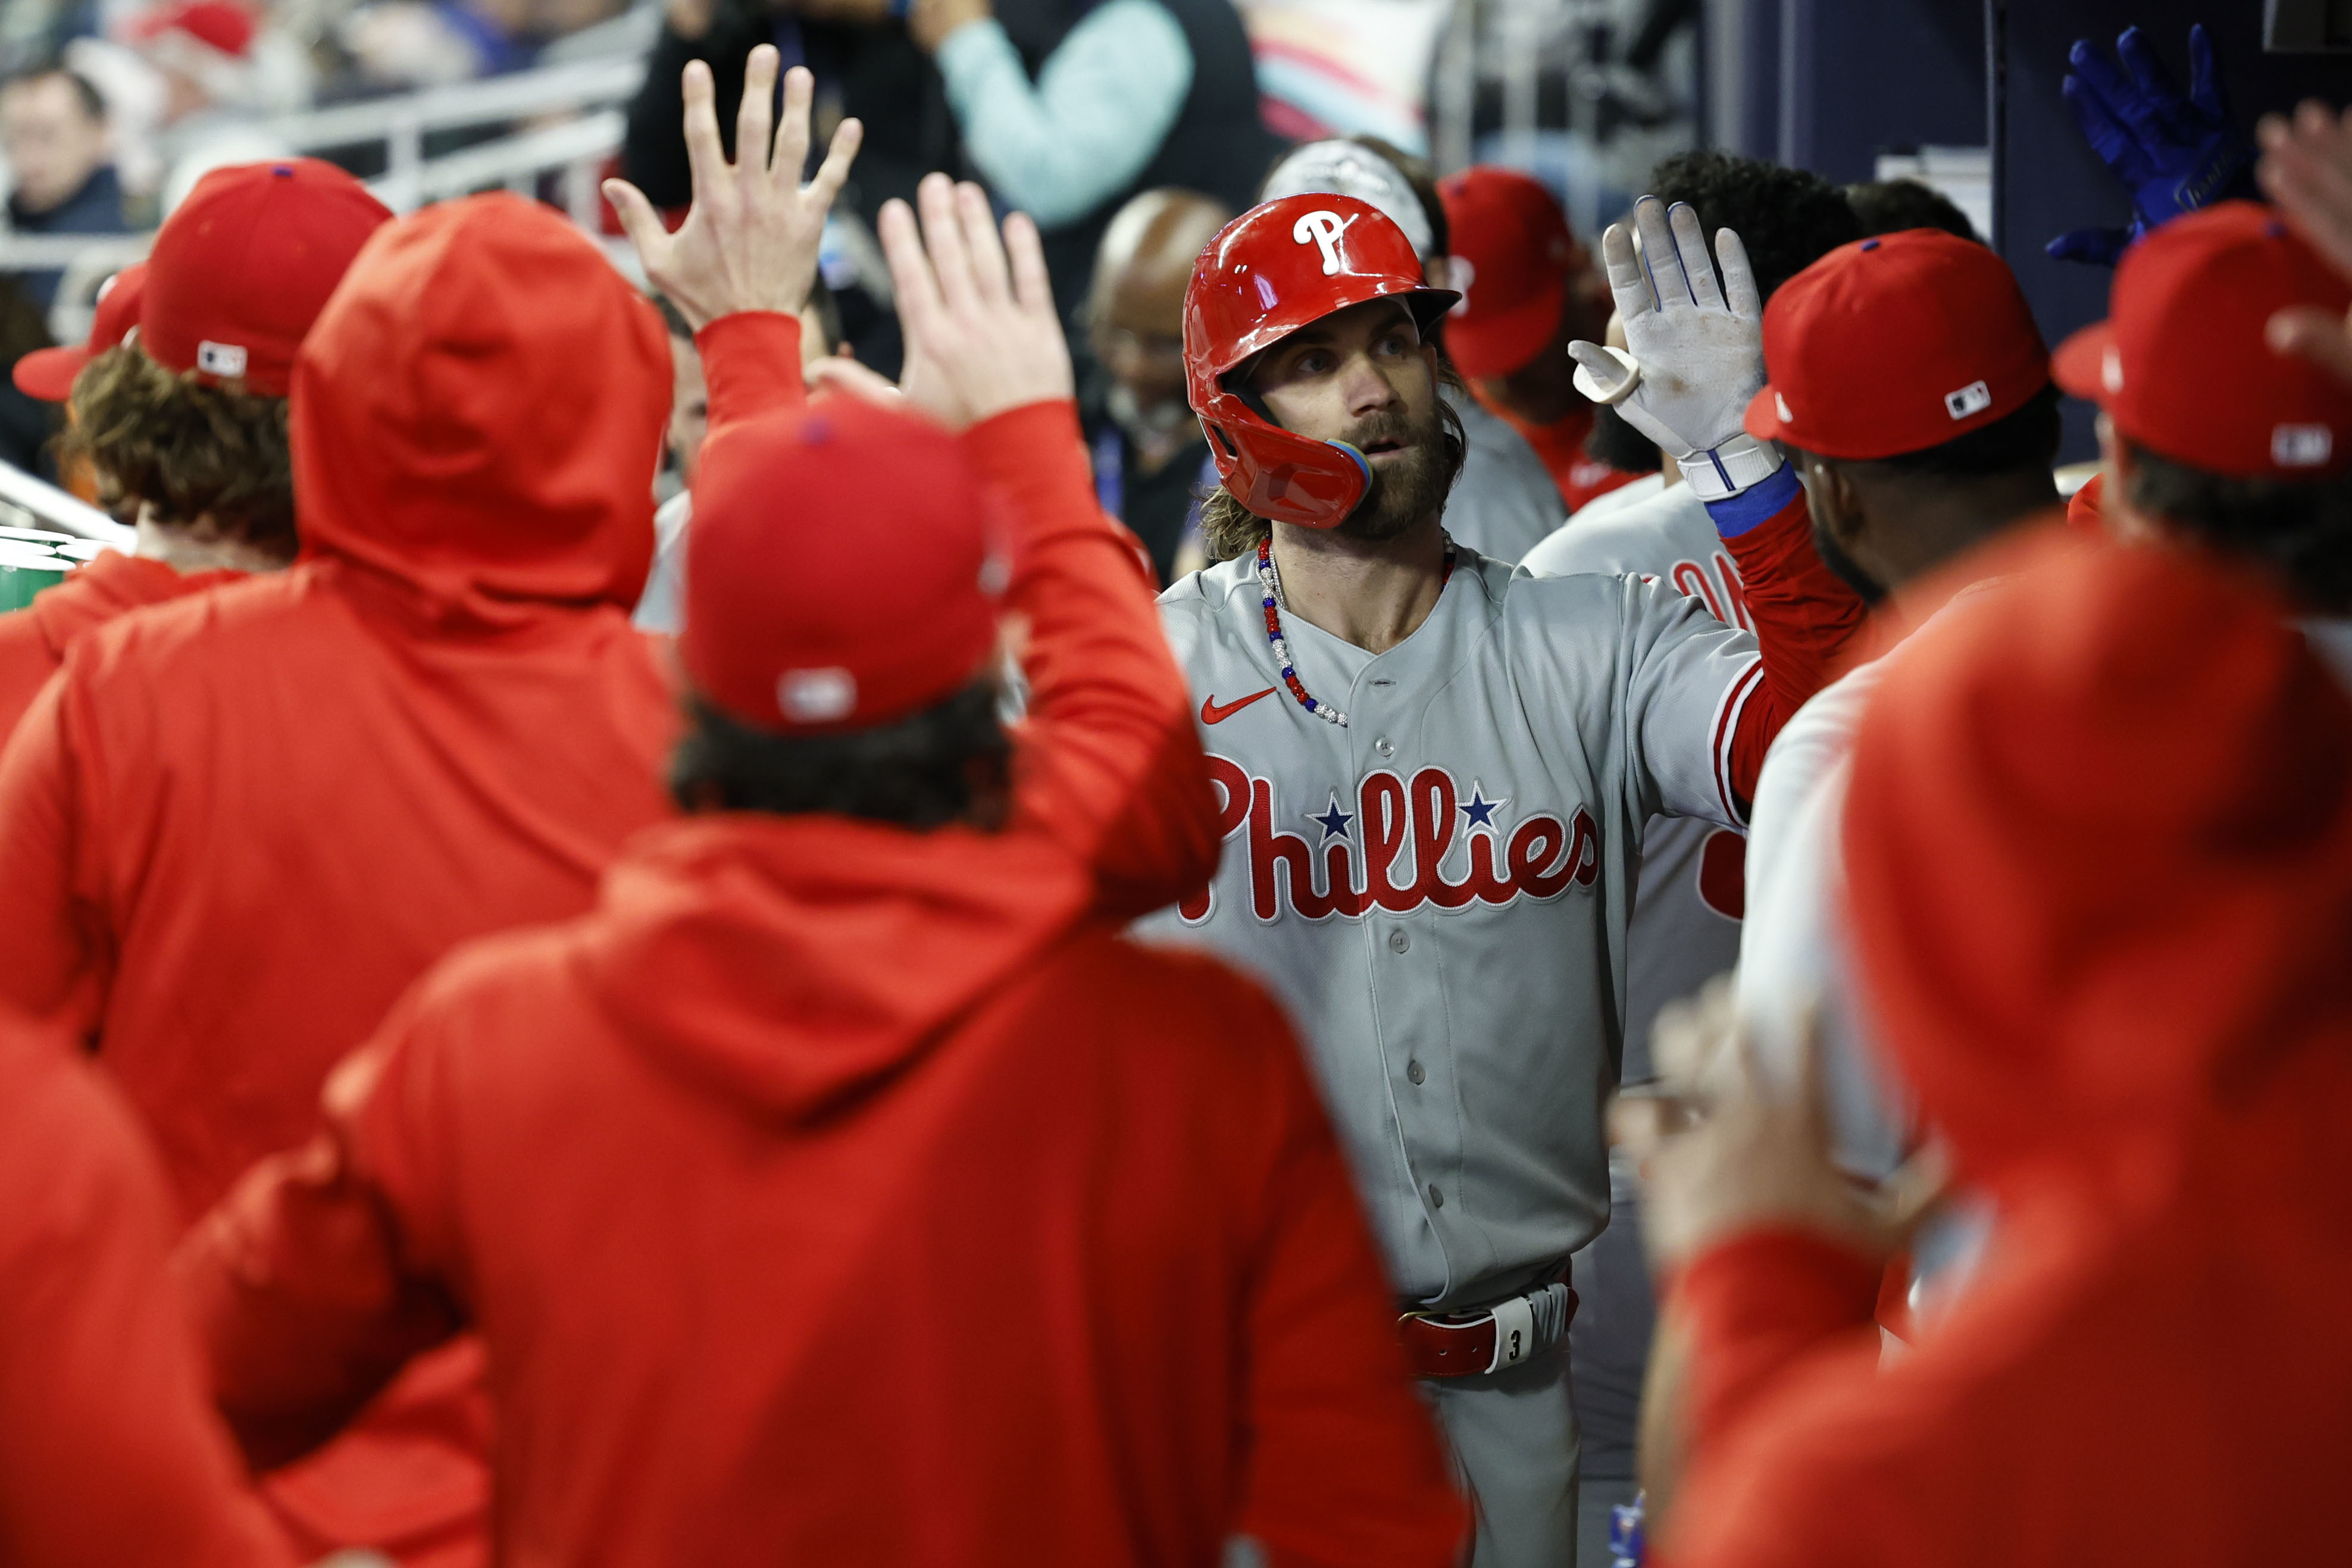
[
  {"x": 1687, "y": 909},
  {"x": 1439, "y": 890}
]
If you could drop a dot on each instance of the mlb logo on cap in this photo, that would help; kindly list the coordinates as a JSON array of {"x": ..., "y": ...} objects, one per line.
[
  {"x": 222, "y": 360},
  {"x": 2302, "y": 445},
  {"x": 817, "y": 696},
  {"x": 1973, "y": 398},
  {"x": 2182, "y": 363},
  {"x": 1895, "y": 344}
]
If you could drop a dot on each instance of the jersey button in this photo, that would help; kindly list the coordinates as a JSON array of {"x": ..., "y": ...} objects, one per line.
[
  {"x": 1399, "y": 941},
  {"x": 1436, "y": 1198},
  {"x": 1412, "y": 1071},
  {"x": 1384, "y": 745}
]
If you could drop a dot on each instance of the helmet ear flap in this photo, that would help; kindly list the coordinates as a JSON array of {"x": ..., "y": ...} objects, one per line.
[{"x": 1279, "y": 476}]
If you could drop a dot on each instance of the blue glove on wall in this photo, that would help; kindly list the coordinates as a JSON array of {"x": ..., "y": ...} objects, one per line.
[{"x": 2175, "y": 155}]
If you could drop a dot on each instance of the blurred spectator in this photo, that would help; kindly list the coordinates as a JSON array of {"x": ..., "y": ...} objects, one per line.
[
  {"x": 1150, "y": 459},
  {"x": 865, "y": 67},
  {"x": 201, "y": 72},
  {"x": 1528, "y": 288},
  {"x": 53, "y": 131},
  {"x": 25, "y": 420},
  {"x": 1067, "y": 108},
  {"x": 1890, "y": 206},
  {"x": 47, "y": 375},
  {"x": 433, "y": 43}
]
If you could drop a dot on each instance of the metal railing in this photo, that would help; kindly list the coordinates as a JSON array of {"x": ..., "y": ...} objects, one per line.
[
  {"x": 29, "y": 502},
  {"x": 401, "y": 123}
]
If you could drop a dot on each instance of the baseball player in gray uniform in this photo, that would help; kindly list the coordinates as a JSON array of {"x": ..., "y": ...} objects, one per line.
[{"x": 1437, "y": 770}]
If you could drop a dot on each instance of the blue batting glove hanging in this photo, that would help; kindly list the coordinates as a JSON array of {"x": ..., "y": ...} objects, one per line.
[{"x": 2175, "y": 155}]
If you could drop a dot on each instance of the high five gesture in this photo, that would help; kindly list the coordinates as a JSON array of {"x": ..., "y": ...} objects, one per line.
[{"x": 749, "y": 242}]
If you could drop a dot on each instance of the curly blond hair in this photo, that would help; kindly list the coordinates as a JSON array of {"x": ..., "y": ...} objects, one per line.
[{"x": 214, "y": 456}]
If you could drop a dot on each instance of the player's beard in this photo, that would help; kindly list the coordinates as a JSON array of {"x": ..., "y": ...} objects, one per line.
[
  {"x": 1847, "y": 570},
  {"x": 1411, "y": 484}
]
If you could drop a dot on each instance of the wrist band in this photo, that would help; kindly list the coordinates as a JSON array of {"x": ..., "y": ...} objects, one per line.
[{"x": 1739, "y": 464}]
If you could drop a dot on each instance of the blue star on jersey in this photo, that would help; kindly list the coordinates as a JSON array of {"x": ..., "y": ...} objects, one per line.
[
  {"x": 1479, "y": 810},
  {"x": 1333, "y": 822}
]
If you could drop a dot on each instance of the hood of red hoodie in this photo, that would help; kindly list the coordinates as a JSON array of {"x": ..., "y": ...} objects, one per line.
[
  {"x": 794, "y": 963},
  {"x": 108, "y": 585},
  {"x": 2099, "y": 846},
  {"x": 476, "y": 416}
]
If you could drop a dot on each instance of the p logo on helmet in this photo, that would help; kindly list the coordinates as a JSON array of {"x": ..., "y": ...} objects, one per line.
[{"x": 1323, "y": 230}]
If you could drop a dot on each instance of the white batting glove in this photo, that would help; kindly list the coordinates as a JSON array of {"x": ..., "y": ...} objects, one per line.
[{"x": 1694, "y": 351}]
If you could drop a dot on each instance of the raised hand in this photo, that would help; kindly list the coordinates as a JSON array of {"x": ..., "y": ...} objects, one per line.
[
  {"x": 749, "y": 242},
  {"x": 2307, "y": 169},
  {"x": 2174, "y": 154},
  {"x": 1722, "y": 1148},
  {"x": 982, "y": 333},
  {"x": 1693, "y": 351}
]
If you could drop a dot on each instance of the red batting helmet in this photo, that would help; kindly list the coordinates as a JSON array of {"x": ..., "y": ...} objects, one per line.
[{"x": 1268, "y": 272}]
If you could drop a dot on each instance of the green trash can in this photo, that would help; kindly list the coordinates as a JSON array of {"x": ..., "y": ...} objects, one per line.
[{"x": 26, "y": 569}]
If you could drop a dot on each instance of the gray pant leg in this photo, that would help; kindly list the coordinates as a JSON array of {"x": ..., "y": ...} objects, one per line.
[{"x": 1514, "y": 1438}]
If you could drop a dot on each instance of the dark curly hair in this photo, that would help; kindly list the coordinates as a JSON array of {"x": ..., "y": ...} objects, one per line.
[
  {"x": 2302, "y": 529},
  {"x": 1891, "y": 207},
  {"x": 194, "y": 453},
  {"x": 1788, "y": 218},
  {"x": 951, "y": 762}
]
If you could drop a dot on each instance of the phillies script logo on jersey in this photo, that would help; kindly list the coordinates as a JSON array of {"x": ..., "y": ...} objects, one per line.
[{"x": 1386, "y": 853}]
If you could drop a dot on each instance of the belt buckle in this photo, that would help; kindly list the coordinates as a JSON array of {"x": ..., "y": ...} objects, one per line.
[{"x": 1441, "y": 1355}]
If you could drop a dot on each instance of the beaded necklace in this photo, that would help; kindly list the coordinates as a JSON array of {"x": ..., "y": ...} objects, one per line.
[{"x": 1272, "y": 586}]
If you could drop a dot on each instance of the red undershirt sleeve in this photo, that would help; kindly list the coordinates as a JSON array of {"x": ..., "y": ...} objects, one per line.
[
  {"x": 1109, "y": 760},
  {"x": 1804, "y": 613},
  {"x": 1756, "y": 1303},
  {"x": 751, "y": 363}
]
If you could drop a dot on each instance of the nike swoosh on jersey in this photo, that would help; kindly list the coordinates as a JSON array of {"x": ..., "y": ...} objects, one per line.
[{"x": 1213, "y": 712}]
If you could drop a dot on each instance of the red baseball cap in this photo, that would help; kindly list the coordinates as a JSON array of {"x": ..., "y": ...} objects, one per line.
[
  {"x": 1513, "y": 253},
  {"x": 2182, "y": 366},
  {"x": 817, "y": 600},
  {"x": 48, "y": 374},
  {"x": 243, "y": 266},
  {"x": 1894, "y": 344}
]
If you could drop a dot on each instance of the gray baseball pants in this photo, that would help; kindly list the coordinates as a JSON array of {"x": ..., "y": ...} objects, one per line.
[{"x": 1513, "y": 1434}]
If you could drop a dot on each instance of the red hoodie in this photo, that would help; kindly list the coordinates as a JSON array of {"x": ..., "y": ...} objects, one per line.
[
  {"x": 2099, "y": 855},
  {"x": 837, "y": 1194},
  {"x": 244, "y": 821},
  {"x": 33, "y": 640},
  {"x": 109, "y": 1452}
]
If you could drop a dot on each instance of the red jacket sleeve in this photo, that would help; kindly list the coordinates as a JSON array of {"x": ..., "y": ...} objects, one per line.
[
  {"x": 1345, "y": 1469},
  {"x": 1805, "y": 615},
  {"x": 1109, "y": 762},
  {"x": 302, "y": 1278},
  {"x": 52, "y": 885},
  {"x": 109, "y": 1452},
  {"x": 751, "y": 364},
  {"x": 1754, "y": 1305}
]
